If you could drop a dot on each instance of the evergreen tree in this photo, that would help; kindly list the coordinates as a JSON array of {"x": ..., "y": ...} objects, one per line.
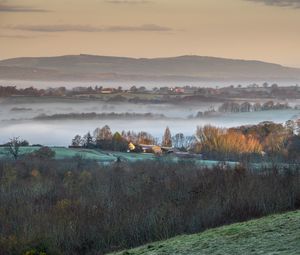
[{"x": 88, "y": 140}]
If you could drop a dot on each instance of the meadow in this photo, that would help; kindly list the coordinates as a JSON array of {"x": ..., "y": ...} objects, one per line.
[
  {"x": 275, "y": 234},
  {"x": 107, "y": 157}
]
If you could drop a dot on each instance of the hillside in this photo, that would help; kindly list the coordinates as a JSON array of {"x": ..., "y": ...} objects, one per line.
[
  {"x": 104, "y": 157},
  {"x": 276, "y": 234},
  {"x": 183, "y": 68}
]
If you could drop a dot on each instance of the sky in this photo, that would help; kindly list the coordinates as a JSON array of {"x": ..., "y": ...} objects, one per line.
[{"x": 267, "y": 30}]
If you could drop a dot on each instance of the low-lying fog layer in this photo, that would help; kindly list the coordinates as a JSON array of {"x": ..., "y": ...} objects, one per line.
[
  {"x": 16, "y": 119},
  {"x": 27, "y": 108}
]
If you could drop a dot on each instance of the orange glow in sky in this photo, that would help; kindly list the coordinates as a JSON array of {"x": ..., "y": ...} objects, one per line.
[{"x": 243, "y": 29}]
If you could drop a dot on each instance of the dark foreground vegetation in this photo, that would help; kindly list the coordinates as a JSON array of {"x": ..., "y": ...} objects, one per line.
[{"x": 79, "y": 207}]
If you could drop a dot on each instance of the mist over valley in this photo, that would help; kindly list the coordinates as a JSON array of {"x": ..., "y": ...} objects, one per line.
[{"x": 27, "y": 118}]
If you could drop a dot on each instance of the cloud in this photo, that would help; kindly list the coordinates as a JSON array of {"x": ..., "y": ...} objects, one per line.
[
  {"x": 128, "y": 1},
  {"x": 56, "y": 28},
  {"x": 17, "y": 36},
  {"x": 143, "y": 28},
  {"x": 4, "y": 7},
  {"x": 90, "y": 29},
  {"x": 280, "y": 3}
]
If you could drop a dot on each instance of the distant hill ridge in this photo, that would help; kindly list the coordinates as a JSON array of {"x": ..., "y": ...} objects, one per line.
[{"x": 190, "y": 68}]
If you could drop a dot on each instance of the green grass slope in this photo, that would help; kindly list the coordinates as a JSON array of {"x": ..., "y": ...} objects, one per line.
[
  {"x": 104, "y": 157},
  {"x": 276, "y": 234}
]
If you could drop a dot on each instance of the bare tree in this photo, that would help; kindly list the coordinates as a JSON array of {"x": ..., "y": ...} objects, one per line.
[
  {"x": 189, "y": 142},
  {"x": 77, "y": 140},
  {"x": 178, "y": 140},
  {"x": 103, "y": 133},
  {"x": 13, "y": 147}
]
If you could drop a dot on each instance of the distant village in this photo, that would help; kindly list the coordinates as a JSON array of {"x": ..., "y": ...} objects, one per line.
[
  {"x": 142, "y": 142},
  {"x": 158, "y": 94}
]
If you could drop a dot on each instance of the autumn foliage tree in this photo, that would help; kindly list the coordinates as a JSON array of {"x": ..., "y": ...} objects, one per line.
[
  {"x": 225, "y": 142},
  {"x": 145, "y": 138},
  {"x": 272, "y": 136},
  {"x": 167, "y": 138}
]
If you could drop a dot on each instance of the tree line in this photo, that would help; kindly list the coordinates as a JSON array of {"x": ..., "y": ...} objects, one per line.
[
  {"x": 94, "y": 115},
  {"x": 104, "y": 138},
  {"x": 266, "y": 139},
  {"x": 252, "y": 107}
]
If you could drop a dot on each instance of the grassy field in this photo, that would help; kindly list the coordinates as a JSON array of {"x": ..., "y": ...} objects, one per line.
[
  {"x": 276, "y": 234},
  {"x": 103, "y": 156}
]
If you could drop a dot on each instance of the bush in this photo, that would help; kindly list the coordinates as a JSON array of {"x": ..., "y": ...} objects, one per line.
[{"x": 44, "y": 153}]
